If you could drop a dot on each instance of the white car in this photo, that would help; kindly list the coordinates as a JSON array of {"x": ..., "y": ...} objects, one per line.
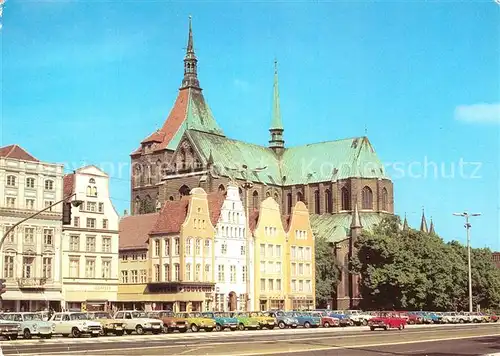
[
  {"x": 449, "y": 317},
  {"x": 75, "y": 324},
  {"x": 139, "y": 322},
  {"x": 358, "y": 317}
]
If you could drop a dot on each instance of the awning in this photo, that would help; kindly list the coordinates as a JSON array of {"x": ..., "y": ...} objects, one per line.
[{"x": 42, "y": 295}]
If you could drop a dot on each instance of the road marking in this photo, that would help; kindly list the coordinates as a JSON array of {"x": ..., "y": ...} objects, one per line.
[{"x": 357, "y": 346}]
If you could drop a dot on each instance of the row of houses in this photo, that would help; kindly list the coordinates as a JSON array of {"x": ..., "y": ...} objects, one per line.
[{"x": 202, "y": 252}]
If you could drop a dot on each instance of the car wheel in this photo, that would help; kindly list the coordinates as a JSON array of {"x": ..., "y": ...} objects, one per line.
[
  {"x": 194, "y": 328},
  {"x": 386, "y": 328},
  {"x": 307, "y": 325},
  {"x": 372, "y": 328},
  {"x": 209, "y": 330},
  {"x": 326, "y": 324},
  {"x": 281, "y": 325},
  {"x": 218, "y": 327},
  {"x": 166, "y": 330},
  {"x": 75, "y": 332},
  {"x": 13, "y": 337},
  {"x": 182, "y": 330},
  {"x": 119, "y": 333},
  {"x": 400, "y": 327},
  {"x": 270, "y": 327},
  {"x": 241, "y": 327},
  {"x": 294, "y": 327},
  {"x": 102, "y": 332},
  {"x": 461, "y": 321},
  {"x": 364, "y": 322},
  {"x": 129, "y": 332},
  {"x": 139, "y": 330},
  {"x": 27, "y": 334}
]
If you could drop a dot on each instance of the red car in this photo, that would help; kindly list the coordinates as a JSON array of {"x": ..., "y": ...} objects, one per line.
[
  {"x": 494, "y": 318},
  {"x": 326, "y": 320},
  {"x": 387, "y": 320}
]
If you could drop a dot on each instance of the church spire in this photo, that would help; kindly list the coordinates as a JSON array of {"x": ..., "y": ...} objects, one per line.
[
  {"x": 190, "y": 63},
  {"x": 431, "y": 228},
  {"x": 423, "y": 223},
  {"x": 356, "y": 219},
  {"x": 405, "y": 224},
  {"x": 276, "y": 130}
]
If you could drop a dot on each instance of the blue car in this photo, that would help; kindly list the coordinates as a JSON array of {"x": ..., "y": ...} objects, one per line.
[
  {"x": 284, "y": 319},
  {"x": 344, "y": 319},
  {"x": 306, "y": 320},
  {"x": 222, "y": 320}
]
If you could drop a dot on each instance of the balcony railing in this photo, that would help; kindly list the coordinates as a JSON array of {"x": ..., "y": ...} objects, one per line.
[{"x": 31, "y": 282}]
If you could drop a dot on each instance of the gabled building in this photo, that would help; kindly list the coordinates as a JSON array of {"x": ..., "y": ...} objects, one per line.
[
  {"x": 230, "y": 250},
  {"x": 191, "y": 150},
  {"x": 31, "y": 253},
  {"x": 90, "y": 243}
]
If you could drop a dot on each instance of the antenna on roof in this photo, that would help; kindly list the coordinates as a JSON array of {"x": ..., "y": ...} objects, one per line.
[{"x": 366, "y": 130}]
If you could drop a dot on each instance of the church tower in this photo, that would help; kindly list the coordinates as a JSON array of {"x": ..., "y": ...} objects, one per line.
[
  {"x": 190, "y": 79},
  {"x": 276, "y": 143}
]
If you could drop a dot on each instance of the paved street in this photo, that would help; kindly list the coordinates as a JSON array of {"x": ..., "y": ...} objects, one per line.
[{"x": 416, "y": 341}]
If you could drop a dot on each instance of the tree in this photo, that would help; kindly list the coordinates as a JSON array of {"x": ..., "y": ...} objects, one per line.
[{"x": 327, "y": 272}]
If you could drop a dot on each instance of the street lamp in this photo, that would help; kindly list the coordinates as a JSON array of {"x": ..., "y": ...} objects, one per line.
[{"x": 467, "y": 226}]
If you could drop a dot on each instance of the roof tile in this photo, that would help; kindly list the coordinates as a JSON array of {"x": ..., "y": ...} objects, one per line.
[
  {"x": 68, "y": 184},
  {"x": 16, "y": 152},
  {"x": 134, "y": 230}
]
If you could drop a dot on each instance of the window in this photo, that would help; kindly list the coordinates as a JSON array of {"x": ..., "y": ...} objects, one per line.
[
  {"x": 106, "y": 244},
  {"x": 30, "y": 204},
  {"x": 242, "y": 250},
  {"x": 48, "y": 235},
  {"x": 135, "y": 276},
  {"x": 48, "y": 203},
  {"x": 106, "y": 269},
  {"x": 308, "y": 286},
  {"x": 367, "y": 198},
  {"x": 74, "y": 243},
  {"x": 300, "y": 197},
  {"x": 74, "y": 267},
  {"x": 207, "y": 248},
  {"x": 262, "y": 250},
  {"x": 232, "y": 274},
  {"x": 208, "y": 277},
  {"x": 262, "y": 284},
  {"x": 157, "y": 273},
  {"x": 124, "y": 276},
  {"x": 167, "y": 247},
  {"x": 143, "y": 276},
  {"x": 384, "y": 200},
  {"x": 197, "y": 251},
  {"x": 10, "y": 202},
  {"x": 90, "y": 244},
  {"x": 176, "y": 246},
  {"x": 244, "y": 274},
  {"x": 76, "y": 221},
  {"x": 90, "y": 223},
  {"x": 308, "y": 254},
  {"x": 301, "y": 269},
  {"x": 278, "y": 284},
  {"x": 104, "y": 223},
  {"x": 47, "y": 267},
  {"x": 301, "y": 286},
  {"x": 29, "y": 235},
  {"x": 157, "y": 248},
  {"x": 221, "y": 277},
  {"x": 328, "y": 201},
  {"x": 255, "y": 199},
  {"x": 90, "y": 268},
  {"x": 197, "y": 273},
  {"x": 278, "y": 267},
  {"x": 101, "y": 208},
  {"x": 294, "y": 285},
  {"x": 49, "y": 185},
  {"x": 223, "y": 248},
  {"x": 177, "y": 272},
  {"x": 188, "y": 246},
  {"x": 316, "y": 202},
  {"x": 166, "y": 271},
  {"x": 294, "y": 269},
  {"x": 278, "y": 251},
  {"x": 262, "y": 266},
  {"x": 308, "y": 269},
  {"x": 270, "y": 250},
  {"x": 188, "y": 271},
  {"x": 91, "y": 206},
  {"x": 345, "y": 198},
  {"x": 8, "y": 267},
  {"x": 30, "y": 182},
  {"x": 271, "y": 284},
  {"x": 301, "y": 253},
  {"x": 10, "y": 237},
  {"x": 294, "y": 253},
  {"x": 11, "y": 181}
]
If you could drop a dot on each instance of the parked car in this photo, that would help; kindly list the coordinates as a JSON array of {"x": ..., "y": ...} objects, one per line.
[
  {"x": 245, "y": 321},
  {"x": 387, "y": 320},
  {"x": 9, "y": 329},
  {"x": 265, "y": 321},
  {"x": 358, "y": 317},
  {"x": 32, "y": 325},
  {"x": 222, "y": 320},
  {"x": 170, "y": 321},
  {"x": 75, "y": 324},
  {"x": 283, "y": 319},
  {"x": 326, "y": 320},
  {"x": 344, "y": 320},
  {"x": 450, "y": 317},
  {"x": 197, "y": 321},
  {"x": 138, "y": 321},
  {"x": 108, "y": 324},
  {"x": 306, "y": 320},
  {"x": 493, "y": 318}
]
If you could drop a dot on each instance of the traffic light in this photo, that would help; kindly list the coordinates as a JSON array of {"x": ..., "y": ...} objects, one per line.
[
  {"x": 3, "y": 287},
  {"x": 66, "y": 217}
]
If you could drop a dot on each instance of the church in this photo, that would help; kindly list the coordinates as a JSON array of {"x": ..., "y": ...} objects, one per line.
[{"x": 342, "y": 182}]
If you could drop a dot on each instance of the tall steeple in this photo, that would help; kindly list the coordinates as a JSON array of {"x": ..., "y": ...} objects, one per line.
[
  {"x": 276, "y": 143},
  {"x": 431, "y": 228},
  {"x": 356, "y": 219},
  {"x": 423, "y": 223},
  {"x": 405, "y": 224},
  {"x": 190, "y": 64}
]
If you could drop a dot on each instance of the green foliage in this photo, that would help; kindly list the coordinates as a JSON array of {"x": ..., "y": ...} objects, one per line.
[
  {"x": 419, "y": 271},
  {"x": 327, "y": 272}
]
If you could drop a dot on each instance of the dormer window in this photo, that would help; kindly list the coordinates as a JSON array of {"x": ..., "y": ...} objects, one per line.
[{"x": 91, "y": 181}]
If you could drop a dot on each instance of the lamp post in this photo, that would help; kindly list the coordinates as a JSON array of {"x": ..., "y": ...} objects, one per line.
[
  {"x": 247, "y": 185},
  {"x": 467, "y": 226}
]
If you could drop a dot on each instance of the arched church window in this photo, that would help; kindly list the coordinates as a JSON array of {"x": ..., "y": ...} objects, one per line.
[
  {"x": 367, "y": 198},
  {"x": 346, "y": 199}
]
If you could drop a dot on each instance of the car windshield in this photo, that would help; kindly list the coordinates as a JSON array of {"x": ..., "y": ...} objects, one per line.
[
  {"x": 195, "y": 315},
  {"x": 100, "y": 316},
  {"x": 167, "y": 314},
  {"x": 78, "y": 316},
  {"x": 224, "y": 315},
  {"x": 209, "y": 315},
  {"x": 136, "y": 315},
  {"x": 288, "y": 314},
  {"x": 32, "y": 317},
  {"x": 317, "y": 315},
  {"x": 254, "y": 314},
  {"x": 241, "y": 315}
]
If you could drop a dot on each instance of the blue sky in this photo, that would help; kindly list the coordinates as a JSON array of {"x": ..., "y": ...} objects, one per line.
[{"x": 86, "y": 81}]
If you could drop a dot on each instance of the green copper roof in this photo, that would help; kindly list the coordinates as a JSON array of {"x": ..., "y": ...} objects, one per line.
[
  {"x": 336, "y": 227},
  {"x": 330, "y": 161},
  {"x": 198, "y": 117},
  {"x": 276, "y": 122}
]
